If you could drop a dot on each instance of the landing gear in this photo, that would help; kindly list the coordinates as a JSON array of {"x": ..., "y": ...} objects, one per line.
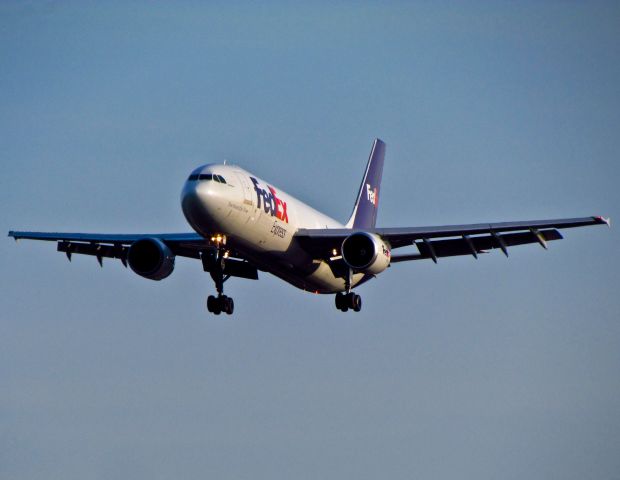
[
  {"x": 214, "y": 262},
  {"x": 344, "y": 301},
  {"x": 348, "y": 300},
  {"x": 220, "y": 304}
]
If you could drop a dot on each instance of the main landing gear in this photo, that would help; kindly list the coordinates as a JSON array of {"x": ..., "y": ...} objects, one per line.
[
  {"x": 214, "y": 261},
  {"x": 220, "y": 304},
  {"x": 349, "y": 300},
  {"x": 344, "y": 301}
]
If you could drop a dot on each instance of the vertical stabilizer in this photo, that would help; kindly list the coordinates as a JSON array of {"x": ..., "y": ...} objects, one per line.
[{"x": 365, "y": 210}]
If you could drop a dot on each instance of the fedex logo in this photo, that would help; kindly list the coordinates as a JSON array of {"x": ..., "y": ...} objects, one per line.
[
  {"x": 371, "y": 195},
  {"x": 270, "y": 201}
]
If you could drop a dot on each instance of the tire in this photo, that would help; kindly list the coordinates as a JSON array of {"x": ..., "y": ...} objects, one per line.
[
  {"x": 229, "y": 305},
  {"x": 211, "y": 303},
  {"x": 340, "y": 301},
  {"x": 356, "y": 302},
  {"x": 214, "y": 304}
]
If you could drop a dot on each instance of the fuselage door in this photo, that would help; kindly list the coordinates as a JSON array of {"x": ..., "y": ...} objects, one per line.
[{"x": 245, "y": 186}]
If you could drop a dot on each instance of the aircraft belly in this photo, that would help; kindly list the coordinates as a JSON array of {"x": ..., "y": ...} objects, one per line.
[
  {"x": 321, "y": 280},
  {"x": 296, "y": 267}
]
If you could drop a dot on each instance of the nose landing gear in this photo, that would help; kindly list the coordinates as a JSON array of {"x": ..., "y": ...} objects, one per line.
[{"x": 214, "y": 262}]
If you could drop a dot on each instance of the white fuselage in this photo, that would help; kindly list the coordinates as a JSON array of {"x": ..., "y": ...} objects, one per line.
[{"x": 259, "y": 222}]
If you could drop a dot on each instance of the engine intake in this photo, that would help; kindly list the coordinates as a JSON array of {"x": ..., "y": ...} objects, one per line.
[
  {"x": 151, "y": 258},
  {"x": 366, "y": 252}
]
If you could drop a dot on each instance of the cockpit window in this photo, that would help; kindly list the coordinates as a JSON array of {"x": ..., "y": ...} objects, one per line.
[{"x": 206, "y": 176}]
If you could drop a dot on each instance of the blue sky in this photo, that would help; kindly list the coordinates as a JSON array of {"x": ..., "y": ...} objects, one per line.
[{"x": 478, "y": 369}]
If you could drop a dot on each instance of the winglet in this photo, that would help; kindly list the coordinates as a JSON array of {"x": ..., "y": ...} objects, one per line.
[
  {"x": 365, "y": 211},
  {"x": 606, "y": 221}
]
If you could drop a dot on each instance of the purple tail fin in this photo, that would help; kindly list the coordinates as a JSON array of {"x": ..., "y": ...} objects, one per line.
[{"x": 364, "y": 214}]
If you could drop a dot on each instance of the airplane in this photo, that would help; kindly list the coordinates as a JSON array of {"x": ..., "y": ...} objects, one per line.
[{"x": 243, "y": 224}]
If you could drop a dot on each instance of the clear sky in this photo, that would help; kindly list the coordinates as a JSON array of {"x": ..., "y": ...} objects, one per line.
[{"x": 495, "y": 368}]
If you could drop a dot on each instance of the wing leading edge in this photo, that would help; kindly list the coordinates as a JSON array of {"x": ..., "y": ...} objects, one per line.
[
  {"x": 104, "y": 245},
  {"x": 449, "y": 240},
  {"x": 115, "y": 245}
]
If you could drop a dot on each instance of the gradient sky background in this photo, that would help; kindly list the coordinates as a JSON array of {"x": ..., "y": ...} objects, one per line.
[{"x": 496, "y": 368}]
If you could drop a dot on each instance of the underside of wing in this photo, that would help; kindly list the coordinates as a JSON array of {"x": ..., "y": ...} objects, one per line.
[
  {"x": 475, "y": 245},
  {"x": 113, "y": 245},
  {"x": 104, "y": 245},
  {"x": 448, "y": 240},
  {"x": 400, "y": 237}
]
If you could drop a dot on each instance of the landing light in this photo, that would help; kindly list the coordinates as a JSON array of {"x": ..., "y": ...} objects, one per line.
[{"x": 219, "y": 239}]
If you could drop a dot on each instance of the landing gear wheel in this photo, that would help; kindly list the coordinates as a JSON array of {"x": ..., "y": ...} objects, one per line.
[
  {"x": 228, "y": 305},
  {"x": 212, "y": 304},
  {"x": 344, "y": 302},
  {"x": 220, "y": 304},
  {"x": 340, "y": 301},
  {"x": 356, "y": 302}
]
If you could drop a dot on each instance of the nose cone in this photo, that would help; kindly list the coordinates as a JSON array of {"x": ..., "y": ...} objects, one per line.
[
  {"x": 190, "y": 202},
  {"x": 204, "y": 205},
  {"x": 200, "y": 204}
]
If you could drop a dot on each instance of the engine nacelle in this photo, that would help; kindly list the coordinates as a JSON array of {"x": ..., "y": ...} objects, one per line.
[
  {"x": 151, "y": 258},
  {"x": 366, "y": 252}
]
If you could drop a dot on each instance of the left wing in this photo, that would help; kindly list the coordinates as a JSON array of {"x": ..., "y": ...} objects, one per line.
[{"x": 449, "y": 240}]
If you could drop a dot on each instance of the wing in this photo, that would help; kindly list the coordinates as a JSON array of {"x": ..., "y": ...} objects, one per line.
[
  {"x": 104, "y": 245},
  {"x": 449, "y": 240},
  {"x": 115, "y": 245}
]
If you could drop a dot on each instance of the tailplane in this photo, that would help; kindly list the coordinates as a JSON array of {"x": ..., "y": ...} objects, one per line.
[{"x": 364, "y": 214}]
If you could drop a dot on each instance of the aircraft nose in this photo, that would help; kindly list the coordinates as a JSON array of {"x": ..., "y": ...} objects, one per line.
[
  {"x": 201, "y": 204},
  {"x": 189, "y": 195},
  {"x": 190, "y": 202}
]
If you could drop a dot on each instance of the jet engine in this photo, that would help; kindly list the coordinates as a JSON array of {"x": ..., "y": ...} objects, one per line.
[
  {"x": 366, "y": 252},
  {"x": 151, "y": 258}
]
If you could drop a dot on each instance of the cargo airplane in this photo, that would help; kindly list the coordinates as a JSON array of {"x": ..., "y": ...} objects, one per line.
[{"x": 243, "y": 224}]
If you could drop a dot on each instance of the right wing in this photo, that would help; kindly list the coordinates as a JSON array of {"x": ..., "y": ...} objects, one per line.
[
  {"x": 105, "y": 245},
  {"x": 115, "y": 245}
]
